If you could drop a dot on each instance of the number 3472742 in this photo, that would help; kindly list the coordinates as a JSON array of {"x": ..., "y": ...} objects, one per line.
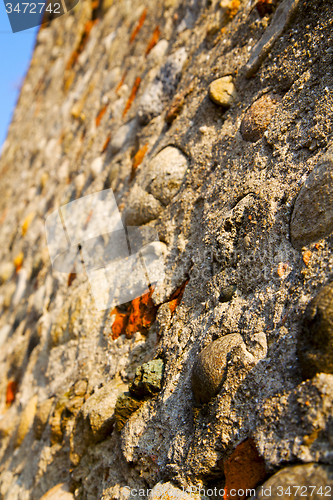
[{"x": 32, "y": 8}]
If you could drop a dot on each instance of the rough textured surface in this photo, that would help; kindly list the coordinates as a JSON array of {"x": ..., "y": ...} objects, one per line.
[
  {"x": 312, "y": 217},
  {"x": 315, "y": 341},
  {"x": 308, "y": 480},
  {"x": 98, "y": 107}
]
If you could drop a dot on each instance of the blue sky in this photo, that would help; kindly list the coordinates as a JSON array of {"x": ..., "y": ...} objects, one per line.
[{"x": 15, "y": 54}]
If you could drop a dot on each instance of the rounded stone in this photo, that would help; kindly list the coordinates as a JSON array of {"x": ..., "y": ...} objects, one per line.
[
  {"x": 223, "y": 92},
  {"x": 227, "y": 293},
  {"x": 315, "y": 341},
  {"x": 258, "y": 116},
  {"x": 141, "y": 207},
  {"x": 210, "y": 367},
  {"x": 299, "y": 481},
  {"x": 58, "y": 492},
  {"x": 312, "y": 217},
  {"x": 167, "y": 170}
]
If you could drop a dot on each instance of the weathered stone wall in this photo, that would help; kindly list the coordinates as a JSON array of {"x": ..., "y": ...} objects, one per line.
[{"x": 212, "y": 123}]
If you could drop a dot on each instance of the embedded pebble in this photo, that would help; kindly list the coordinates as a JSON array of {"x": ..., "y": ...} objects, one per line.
[
  {"x": 6, "y": 271},
  {"x": 21, "y": 287},
  {"x": 141, "y": 207},
  {"x": 125, "y": 406},
  {"x": 4, "y": 332},
  {"x": 58, "y": 492},
  {"x": 300, "y": 481},
  {"x": 210, "y": 367},
  {"x": 315, "y": 340},
  {"x": 168, "y": 491},
  {"x": 223, "y": 92},
  {"x": 227, "y": 293},
  {"x": 312, "y": 217},
  {"x": 258, "y": 116},
  {"x": 281, "y": 19},
  {"x": 158, "y": 52},
  {"x": 148, "y": 379},
  {"x": 162, "y": 87},
  {"x": 166, "y": 172}
]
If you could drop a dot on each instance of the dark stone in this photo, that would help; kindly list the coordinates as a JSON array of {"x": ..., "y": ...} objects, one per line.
[
  {"x": 315, "y": 341},
  {"x": 227, "y": 293},
  {"x": 148, "y": 379}
]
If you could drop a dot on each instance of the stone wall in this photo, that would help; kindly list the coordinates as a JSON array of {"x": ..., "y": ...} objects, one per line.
[{"x": 212, "y": 122}]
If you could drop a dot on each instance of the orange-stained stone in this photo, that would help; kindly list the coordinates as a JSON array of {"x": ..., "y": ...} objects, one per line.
[
  {"x": 119, "y": 324},
  {"x": 133, "y": 94},
  {"x": 26, "y": 223},
  {"x": 100, "y": 115},
  {"x": 106, "y": 143},
  {"x": 243, "y": 470},
  {"x": 138, "y": 26},
  {"x": 154, "y": 39},
  {"x": 139, "y": 317},
  {"x": 18, "y": 261},
  {"x": 176, "y": 297},
  {"x": 178, "y": 102},
  {"x": 138, "y": 158},
  {"x": 306, "y": 257},
  {"x": 11, "y": 392}
]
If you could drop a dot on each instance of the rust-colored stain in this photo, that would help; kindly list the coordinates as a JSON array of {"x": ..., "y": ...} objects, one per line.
[
  {"x": 154, "y": 39},
  {"x": 71, "y": 278},
  {"x": 100, "y": 115},
  {"x": 18, "y": 261},
  {"x": 137, "y": 160},
  {"x": 121, "y": 83},
  {"x": 138, "y": 26},
  {"x": 76, "y": 52},
  {"x": 265, "y": 7},
  {"x": 106, "y": 143},
  {"x": 133, "y": 94},
  {"x": 243, "y": 470},
  {"x": 139, "y": 317},
  {"x": 11, "y": 392},
  {"x": 177, "y": 104},
  {"x": 306, "y": 257},
  {"x": 176, "y": 297}
]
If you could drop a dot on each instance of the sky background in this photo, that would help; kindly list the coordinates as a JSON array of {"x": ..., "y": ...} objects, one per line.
[{"x": 15, "y": 53}]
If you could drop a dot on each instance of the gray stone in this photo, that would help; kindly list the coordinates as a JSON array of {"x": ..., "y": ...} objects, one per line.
[
  {"x": 166, "y": 170},
  {"x": 210, "y": 368},
  {"x": 315, "y": 341},
  {"x": 141, "y": 207},
  {"x": 95, "y": 420},
  {"x": 148, "y": 379},
  {"x": 312, "y": 217},
  {"x": 298, "y": 481},
  {"x": 282, "y": 17},
  {"x": 162, "y": 87}
]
